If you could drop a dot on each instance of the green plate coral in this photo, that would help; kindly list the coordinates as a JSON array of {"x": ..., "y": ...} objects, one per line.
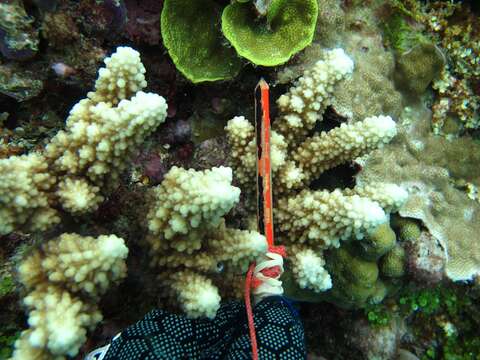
[
  {"x": 193, "y": 39},
  {"x": 288, "y": 28}
]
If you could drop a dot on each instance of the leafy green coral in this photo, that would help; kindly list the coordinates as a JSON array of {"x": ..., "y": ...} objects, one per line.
[
  {"x": 288, "y": 28},
  {"x": 192, "y": 36}
]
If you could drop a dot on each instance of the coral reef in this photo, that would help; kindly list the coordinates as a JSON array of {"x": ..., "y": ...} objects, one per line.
[
  {"x": 189, "y": 240},
  {"x": 351, "y": 137},
  {"x": 88, "y": 155},
  {"x": 64, "y": 279}
]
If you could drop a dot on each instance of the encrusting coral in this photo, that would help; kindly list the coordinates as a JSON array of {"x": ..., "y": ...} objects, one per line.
[
  {"x": 84, "y": 160},
  {"x": 64, "y": 279},
  {"x": 189, "y": 240},
  {"x": 318, "y": 219},
  {"x": 429, "y": 167}
]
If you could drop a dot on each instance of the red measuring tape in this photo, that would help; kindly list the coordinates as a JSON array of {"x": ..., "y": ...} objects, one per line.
[{"x": 264, "y": 198}]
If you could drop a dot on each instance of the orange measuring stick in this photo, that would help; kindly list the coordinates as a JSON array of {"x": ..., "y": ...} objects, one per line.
[
  {"x": 264, "y": 192},
  {"x": 264, "y": 170}
]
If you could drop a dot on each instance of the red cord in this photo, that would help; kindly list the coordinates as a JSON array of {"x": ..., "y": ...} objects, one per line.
[
  {"x": 248, "y": 307},
  {"x": 254, "y": 282}
]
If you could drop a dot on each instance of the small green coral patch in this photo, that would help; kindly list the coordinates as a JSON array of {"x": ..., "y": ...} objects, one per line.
[
  {"x": 378, "y": 243},
  {"x": 193, "y": 39},
  {"x": 7, "y": 285},
  {"x": 393, "y": 263},
  {"x": 355, "y": 281},
  {"x": 407, "y": 229},
  {"x": 288, "y": 28}
]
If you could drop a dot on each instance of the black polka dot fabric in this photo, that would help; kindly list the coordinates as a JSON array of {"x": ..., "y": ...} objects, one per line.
[{"x": 161, "y": 335}]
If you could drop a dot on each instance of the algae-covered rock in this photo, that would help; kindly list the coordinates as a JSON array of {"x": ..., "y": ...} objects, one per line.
[
  {"x": 18, "y": 37},
  {"x": 378, "y": 243},
  {"x": 19, "y": 83},
  {"x": 192, "y": 36},
  {"x": 418, "y": 67},
  {"x": 393, "y": 263},
  {"x": 288, "y": 27}
]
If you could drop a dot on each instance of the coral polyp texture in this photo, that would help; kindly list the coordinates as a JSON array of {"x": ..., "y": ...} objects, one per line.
[
  {"x": 82, "y": 162},
  {"x": 432, "y": 168},
  {"x": 64, "y": 279},
  {"x": 189, "y": 241},
  {"x": 317, "y": 219}
]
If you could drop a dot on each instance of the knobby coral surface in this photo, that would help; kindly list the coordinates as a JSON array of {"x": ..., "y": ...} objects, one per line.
[
  {"x": 64, "y": 279},
  {"x": 83, "y": 161},
  {"x": 190, "y": 242}
]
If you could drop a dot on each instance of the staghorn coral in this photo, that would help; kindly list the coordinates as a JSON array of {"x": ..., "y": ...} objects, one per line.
[
  {"x": 309, "y": 270},
  {"x": 303, "y": 105},
  {"x": 24, "y": 188},
  {"x": 348, "y": 141},
  {"x": 318, "y": 219},
  {"x": 323, "y": 218},
  {"x": 86, "y": 158},
  {"x": 65, "y": 278},
  {"x": 188, "y": 238},
  {"x": 241, "y": 134}
]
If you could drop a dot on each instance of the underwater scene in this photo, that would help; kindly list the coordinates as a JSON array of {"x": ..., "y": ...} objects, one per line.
[{"x": 240, "y": 179}]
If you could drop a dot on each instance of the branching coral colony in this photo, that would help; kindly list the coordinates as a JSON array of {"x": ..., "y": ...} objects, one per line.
[
  {"x": 84, "y": 160},
  {"x": 66, "y": 276},
  {"x": 309, "y": 221}
]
